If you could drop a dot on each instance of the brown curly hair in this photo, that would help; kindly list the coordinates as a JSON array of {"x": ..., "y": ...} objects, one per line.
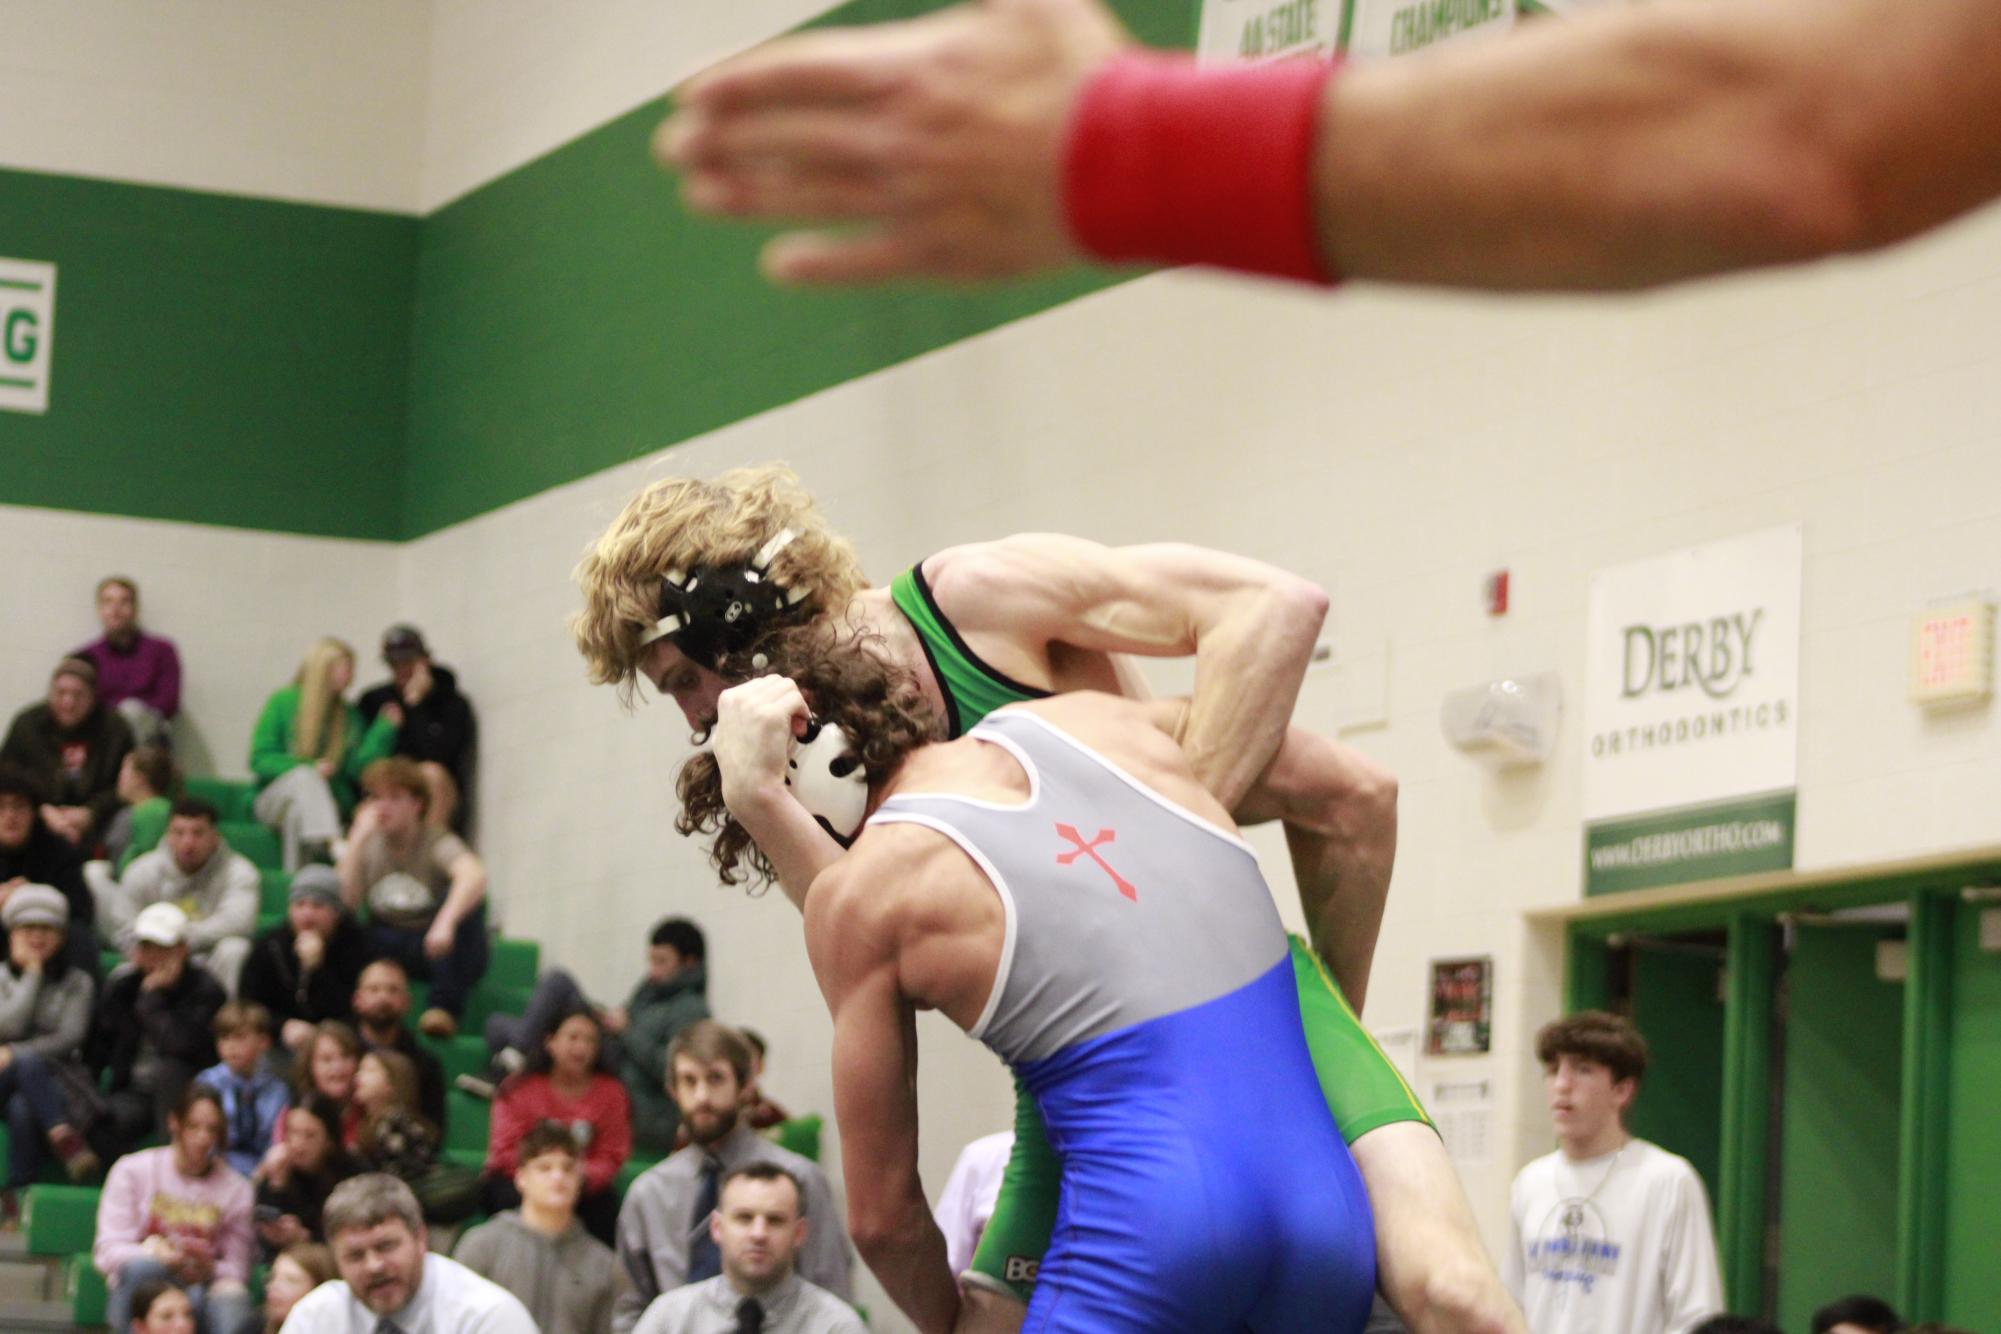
[
  {"x": 849, "y": 679},
  {"x": 684, "y": 522}
]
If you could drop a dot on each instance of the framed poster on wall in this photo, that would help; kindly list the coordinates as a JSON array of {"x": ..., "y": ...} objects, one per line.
[{"x": 1461, "y": 1012}]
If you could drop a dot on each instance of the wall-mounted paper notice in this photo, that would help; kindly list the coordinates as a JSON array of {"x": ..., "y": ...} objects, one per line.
[{"x": 1463, "y": 1111}]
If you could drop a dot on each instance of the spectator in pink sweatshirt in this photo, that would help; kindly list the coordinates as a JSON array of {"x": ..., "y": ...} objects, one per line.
[
  {"x": 179, "y": 1212},
  {"x": 138, "y": 675}
]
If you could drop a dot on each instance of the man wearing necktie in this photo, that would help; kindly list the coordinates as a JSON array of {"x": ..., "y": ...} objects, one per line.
[
  {"x": 664, "y": 1234},
  {"x": 390, "y": 1282},
  {"x": 755, "y": 1232}
]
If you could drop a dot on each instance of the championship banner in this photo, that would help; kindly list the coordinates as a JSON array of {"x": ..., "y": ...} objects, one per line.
[
  {"x": 1691, "y": 714},
  {"x": 1258, "y": 30}
]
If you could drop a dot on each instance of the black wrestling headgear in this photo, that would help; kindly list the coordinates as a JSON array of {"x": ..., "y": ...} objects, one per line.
[{"x": 714, "y": 610}]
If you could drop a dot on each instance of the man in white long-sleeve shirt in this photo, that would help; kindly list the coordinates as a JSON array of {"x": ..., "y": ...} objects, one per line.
[{"x": 1610, "y": 1232}]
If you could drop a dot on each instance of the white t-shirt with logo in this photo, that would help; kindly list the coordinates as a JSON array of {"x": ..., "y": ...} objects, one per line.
[{"x": 1620, "y": 1244}]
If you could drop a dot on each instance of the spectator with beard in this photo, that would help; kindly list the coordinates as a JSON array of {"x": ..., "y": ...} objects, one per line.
[
  {"x": 138, "y": 675},
  {"x": 74, "y": 747},
  {"x": 305, "y": 969},
  {"x": 33, "y": 854},
  {"x": 663, "y": 1237},
  {"x": 438, "y": 729},
  {"x": 381, "y": 1004}
]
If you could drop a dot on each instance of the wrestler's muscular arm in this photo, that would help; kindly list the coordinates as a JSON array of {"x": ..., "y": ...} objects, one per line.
[
  {"x": 1251, "y": 628},
  {"x": 851, "y": 937}
]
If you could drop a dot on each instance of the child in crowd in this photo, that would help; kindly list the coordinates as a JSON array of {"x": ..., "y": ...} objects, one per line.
[
  {"x": 298, "y": 1269},
  {"x": 395, "y": 1137},
  {"x": 324, "y": 1069},
  {"x": 147, "y": 783},
  {"x": 292, "y": 1187},
  {"x": 253, "y": 1098},
  {"x": 160, "y": 1306}
]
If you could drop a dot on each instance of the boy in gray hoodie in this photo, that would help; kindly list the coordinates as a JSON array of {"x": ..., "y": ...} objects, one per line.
[{"x": 567, "y": 1279}]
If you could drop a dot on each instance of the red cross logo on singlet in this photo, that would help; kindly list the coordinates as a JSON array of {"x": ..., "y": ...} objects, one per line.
[{"x": 1083, "y": 849}]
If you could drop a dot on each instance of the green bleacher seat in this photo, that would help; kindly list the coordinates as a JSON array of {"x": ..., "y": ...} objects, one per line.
[
  {"x": 108, "y": 960},
  {"x": 257, "y": 842},
  {"x": 463, "y": 1055},
  {"x": 513, "y": 963},
  {"x": 801, "y": 1135},
  {"x": 59, "y": 1220},
  {"x": 233, "y": 798},
  {"x": 84, "y": 1287},
  {"x": 276, "y": 892},
  {"x": 490, "y": 999},
  {"x": 466, "y": 1119},
  {"x": 473, "y": 1158}
]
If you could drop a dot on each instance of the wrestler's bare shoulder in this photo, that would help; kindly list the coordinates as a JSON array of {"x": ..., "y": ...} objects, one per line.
[{"x": 984, "y": 584}]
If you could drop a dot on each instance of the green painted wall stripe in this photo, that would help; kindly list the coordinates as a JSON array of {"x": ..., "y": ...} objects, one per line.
[
  {"x": 309, "y": 369},
  {"x": 217, "y": 359},
  {"x": 570, "y": 317}
]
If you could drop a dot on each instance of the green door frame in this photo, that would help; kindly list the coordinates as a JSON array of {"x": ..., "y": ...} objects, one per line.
[{"x": 1751, "y": 922}]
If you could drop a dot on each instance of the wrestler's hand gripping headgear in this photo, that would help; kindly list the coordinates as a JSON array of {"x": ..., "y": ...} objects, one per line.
[{"x": 715, "y": 610}]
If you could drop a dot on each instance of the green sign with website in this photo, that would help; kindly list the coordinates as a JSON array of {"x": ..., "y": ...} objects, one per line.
[{"x": 1738, "y": 837}]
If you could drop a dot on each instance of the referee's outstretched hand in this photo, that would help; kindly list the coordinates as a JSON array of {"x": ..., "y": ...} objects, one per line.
[{"x": 934, "y": 145}]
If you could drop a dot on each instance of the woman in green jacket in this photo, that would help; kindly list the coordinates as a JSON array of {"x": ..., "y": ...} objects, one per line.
[{"x": 309, "y": 748}]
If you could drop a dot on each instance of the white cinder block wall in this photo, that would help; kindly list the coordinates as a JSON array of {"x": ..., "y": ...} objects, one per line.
[
  {"x": 295, "y": 100},
  {"x": 243, "y": 607}
]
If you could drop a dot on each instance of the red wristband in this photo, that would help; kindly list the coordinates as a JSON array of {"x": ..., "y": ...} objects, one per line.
[{"x": 1178, "y": 165}]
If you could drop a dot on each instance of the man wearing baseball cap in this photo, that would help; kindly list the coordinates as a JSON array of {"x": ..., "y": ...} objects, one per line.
[
  {"x": 154, "y": 1031},
  {"x": 438, "y": 726},
  {"x": 304, "y": 969}
]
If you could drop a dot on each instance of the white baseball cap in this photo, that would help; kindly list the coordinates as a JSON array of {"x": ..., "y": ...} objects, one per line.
[{"x": 161, "y": 924}]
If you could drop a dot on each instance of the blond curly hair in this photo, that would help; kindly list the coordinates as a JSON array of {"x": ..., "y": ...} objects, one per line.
[{"x": 679, "y": 523}]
